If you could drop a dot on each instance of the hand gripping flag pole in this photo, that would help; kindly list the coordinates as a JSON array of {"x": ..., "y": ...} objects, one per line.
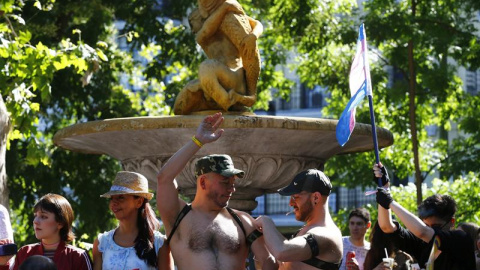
[{"x": 360, "y": 86}]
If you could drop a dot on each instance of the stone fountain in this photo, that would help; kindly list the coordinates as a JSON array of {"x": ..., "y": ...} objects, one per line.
[{"x": 271, "y": 150}]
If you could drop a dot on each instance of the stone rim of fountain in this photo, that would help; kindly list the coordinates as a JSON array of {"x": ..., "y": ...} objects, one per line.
[{"x": 271, "y": 149}]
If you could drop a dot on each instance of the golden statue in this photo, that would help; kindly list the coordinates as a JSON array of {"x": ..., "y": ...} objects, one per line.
[{"x": 227, "y": 80}]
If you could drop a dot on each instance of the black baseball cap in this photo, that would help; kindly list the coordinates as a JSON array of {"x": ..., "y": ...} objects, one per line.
[{"x": 311, "y": 180}]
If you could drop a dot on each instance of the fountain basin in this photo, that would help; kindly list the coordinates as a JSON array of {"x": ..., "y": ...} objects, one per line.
[{"x": 270, "y": 149}]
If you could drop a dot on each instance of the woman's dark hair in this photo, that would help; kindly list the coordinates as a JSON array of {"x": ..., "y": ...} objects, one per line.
[
  {"x": 378, "y": 243},
  {"x": 38, "y": 262},
  {"x": 147, "y": 223},
  {"x": 472, "y": 230},
  {"x": 63, "y": 211}
]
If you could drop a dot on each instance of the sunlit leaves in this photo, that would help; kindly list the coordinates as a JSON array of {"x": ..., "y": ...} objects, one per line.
[
  {"x": 150, "y": 51},
  {"x": 48, "y": 5},
  {"x": 131, "y": 35}
]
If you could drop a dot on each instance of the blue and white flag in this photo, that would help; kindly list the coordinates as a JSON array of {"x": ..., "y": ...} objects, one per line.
[{"x": 360, "y": 86}]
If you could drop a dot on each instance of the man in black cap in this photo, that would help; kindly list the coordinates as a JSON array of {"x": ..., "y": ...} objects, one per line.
[
  {"x": 206, "y": 234},
  {"x": 318, "y": 244}
]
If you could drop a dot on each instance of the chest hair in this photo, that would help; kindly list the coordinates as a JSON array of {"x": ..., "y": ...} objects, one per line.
[{"x": 216, "y": 237}]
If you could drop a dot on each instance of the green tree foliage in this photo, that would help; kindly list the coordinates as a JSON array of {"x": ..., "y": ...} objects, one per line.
[
  {"x": 443, "y": 37},
  {"x": 52, "y": 78},
  {"x": 429, "y": 37}
]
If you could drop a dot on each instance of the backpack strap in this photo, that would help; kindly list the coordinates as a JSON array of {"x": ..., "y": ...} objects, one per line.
[
  {"x": 252, "y": 236},
  {"x": 180, "y": 216},
  {"x": 237, "y": 219}
]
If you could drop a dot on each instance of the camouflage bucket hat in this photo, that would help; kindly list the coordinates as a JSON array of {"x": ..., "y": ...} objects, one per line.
[{"x": 221, "y": 164}]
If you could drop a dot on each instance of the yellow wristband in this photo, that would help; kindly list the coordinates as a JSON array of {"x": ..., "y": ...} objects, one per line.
[{"x": 196, "y": 141}]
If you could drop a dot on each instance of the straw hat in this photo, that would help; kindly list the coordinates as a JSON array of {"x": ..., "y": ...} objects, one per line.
[{"x": 131, "y": 183}]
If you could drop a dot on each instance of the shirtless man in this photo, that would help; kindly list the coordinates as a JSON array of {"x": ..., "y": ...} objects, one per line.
[
  {"x": 318, "y": 244},
  {"x": 227, "y": 80},
  {"x": 206, "y": 234}
]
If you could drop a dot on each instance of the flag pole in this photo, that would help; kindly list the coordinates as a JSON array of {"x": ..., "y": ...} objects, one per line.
[
  {"x": 366, "y": 70},
  {"x": 374, "y": 130}
]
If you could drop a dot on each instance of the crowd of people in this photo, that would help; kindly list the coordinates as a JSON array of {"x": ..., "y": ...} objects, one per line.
[{"x": 207, "y": 234}]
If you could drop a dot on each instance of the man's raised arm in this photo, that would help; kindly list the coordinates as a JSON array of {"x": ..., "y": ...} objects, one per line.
[
  {"x": 385, "y": 220},
  {"x": 284, "y": 250},
  {"x": 412, "y": 222},
  {"x": 168, "y": 202}
]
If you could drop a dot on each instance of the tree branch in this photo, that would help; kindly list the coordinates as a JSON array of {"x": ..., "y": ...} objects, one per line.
[
  {"x": 444, "y": 25},
  {"x": 10, "y": 25}
]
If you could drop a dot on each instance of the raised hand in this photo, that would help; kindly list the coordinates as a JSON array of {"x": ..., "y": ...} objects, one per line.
[
  {"x": 208, "y": 130},
  {"x": 384, "y": 198},
  {"x": 380, "y": 171}
]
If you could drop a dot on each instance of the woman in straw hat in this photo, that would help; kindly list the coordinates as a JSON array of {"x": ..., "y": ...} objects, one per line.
[
  {"x": 53, "y": 217},
  {"x": 136, "y": 243}
]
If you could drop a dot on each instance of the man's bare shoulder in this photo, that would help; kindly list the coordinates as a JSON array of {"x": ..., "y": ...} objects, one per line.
[
  {"x": 328, "y": 228},
  {"x": 329, "y": 240},
  {"x": 324, "y": 234},
  {"x": 244, "y": 216},
  {"x": 247, "y": 220}
]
